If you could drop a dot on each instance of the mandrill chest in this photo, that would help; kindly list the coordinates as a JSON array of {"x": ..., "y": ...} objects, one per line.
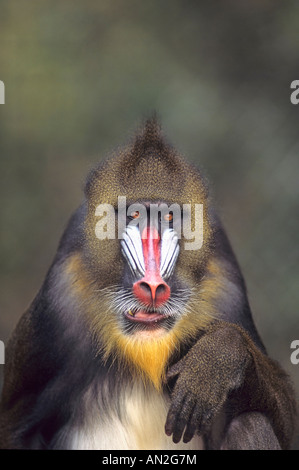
[{"x": 134, "y": 420}]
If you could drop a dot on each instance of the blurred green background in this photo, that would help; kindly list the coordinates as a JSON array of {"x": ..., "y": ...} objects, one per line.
[{"x": 80, "y": 76}]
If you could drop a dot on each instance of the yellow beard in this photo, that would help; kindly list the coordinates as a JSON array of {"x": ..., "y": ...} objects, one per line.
[
  {"x": 146, "y": 356},
  {"x": 144, "y": 353}
]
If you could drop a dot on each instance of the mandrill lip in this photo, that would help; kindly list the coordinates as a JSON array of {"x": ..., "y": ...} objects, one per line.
[{"x": 145, "y": 317}]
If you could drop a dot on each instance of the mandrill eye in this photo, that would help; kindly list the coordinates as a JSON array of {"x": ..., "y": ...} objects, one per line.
[
  {"x": 168, "y": 217},
  {"x": 134, "y": 215}
]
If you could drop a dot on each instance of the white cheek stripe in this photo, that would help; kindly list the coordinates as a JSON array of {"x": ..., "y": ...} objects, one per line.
[
  {"x": 131, "y": 246},
  {"x": 169, "y": 252}
]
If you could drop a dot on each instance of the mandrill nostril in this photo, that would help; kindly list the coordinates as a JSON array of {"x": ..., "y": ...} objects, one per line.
[
  {"x": 162, "y": 294},
  {"x": 160, "y": 290},
  {"x": 144, "y": 292},
  {"x": 145, "y": 286}
]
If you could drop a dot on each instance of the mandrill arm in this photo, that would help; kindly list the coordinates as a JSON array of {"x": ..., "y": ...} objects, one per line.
[
  {"x": 225, "y": 370},
  {"x": 226, "y": 387}
]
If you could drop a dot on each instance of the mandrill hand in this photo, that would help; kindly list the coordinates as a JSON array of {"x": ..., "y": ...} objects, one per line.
[{"x": 213, "y": 367}]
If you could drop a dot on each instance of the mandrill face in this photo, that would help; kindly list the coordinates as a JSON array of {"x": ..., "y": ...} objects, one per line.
[
  {"x": 143, "y": 271},
  {"x": 152, "y": 298}
]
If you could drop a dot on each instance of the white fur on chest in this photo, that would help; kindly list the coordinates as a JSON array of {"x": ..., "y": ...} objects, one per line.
[{"x": 140, "y": 426}]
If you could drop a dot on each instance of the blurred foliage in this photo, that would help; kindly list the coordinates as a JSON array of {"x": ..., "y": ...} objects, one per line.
[{"x": 80, "y": 75}]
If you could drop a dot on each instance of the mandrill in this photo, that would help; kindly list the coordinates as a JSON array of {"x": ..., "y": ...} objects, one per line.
[{"x": 138, "y": 339}]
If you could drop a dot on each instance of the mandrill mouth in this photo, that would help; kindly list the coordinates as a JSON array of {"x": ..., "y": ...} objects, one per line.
[
  {"x": 146, "y": 317},
  {"x": 133, "y": 316}
]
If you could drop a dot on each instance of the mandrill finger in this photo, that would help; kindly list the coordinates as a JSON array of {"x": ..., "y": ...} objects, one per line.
[
  {"x": 183, "y": 419},
  {"x": 192, "y": 425},
  {"x": 174, "y": 413},
  {"x": 170, "y": 422},
  {"x": 178, "y": 430}
]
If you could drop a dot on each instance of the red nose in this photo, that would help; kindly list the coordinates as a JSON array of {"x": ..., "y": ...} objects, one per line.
[
  {"x": 151, "y": 292},
  {"x": 151, "y": 289}
]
